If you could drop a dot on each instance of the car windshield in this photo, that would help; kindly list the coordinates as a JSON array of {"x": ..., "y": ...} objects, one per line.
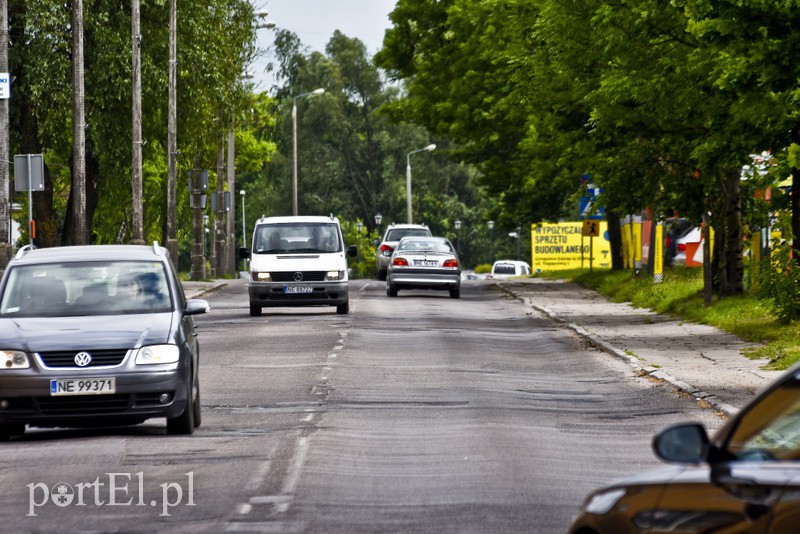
[
  {"x": 297, "y": 237},
  {"x": 86, "y": 288},
  {"x": 396, "y": 234},
  {"x": 770, "y": 430},
  {"x": 424, "y": 245}
]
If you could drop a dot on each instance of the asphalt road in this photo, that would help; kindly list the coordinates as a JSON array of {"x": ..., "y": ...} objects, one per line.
[{"x": 419, "y": 413}]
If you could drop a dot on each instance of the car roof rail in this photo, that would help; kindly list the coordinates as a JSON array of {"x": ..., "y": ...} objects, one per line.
[{"x": 24, "y": 250}]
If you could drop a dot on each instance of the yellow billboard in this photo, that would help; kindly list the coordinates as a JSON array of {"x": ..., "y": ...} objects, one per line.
[{"x": 560, "y": 246}]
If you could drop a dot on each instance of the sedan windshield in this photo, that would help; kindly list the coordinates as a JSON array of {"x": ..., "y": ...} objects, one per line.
[
  {"x": 86, "y": 288},
  {"x": 297, "y": 237}
]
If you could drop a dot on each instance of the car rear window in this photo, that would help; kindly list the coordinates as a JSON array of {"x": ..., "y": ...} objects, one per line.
[
  {"x": 400, "y": 233},
  {"x": 505, "y": 268}
]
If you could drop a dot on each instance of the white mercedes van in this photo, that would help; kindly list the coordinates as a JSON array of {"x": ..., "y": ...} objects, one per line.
[{"x": 298, "y": 261}]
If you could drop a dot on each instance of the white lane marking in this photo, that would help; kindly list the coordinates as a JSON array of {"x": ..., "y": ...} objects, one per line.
[
  {"x": 244, "y": 509},
  {"x": 294, "y": 473},
  {"x": 256, "y": 480}
]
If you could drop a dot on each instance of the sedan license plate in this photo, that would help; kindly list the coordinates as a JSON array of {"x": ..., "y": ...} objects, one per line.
[
  {"x": 82, "y": 386},
  {"x": 425, "y": 263},
  {"x": 297, "y": 289}
]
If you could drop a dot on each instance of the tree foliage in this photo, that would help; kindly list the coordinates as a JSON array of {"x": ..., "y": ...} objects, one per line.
[{"x": 215, "y": 43}]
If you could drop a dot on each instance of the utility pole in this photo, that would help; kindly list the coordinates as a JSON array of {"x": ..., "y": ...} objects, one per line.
[
  {"x": 172, "y": 129},
  {"x": 78, "y": 126},
  {"x": 231, "y": 242},
  {"x": 5, "y": 175},
  {"x": 137, "y": 125},
  {"x": 218, "y": 244}
]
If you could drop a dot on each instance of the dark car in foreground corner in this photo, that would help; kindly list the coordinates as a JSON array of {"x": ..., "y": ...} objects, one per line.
[
  {"x": 424, "y": 263},
  {"x": 97, "y": 335},
  {"x": 746, "y": 478}
]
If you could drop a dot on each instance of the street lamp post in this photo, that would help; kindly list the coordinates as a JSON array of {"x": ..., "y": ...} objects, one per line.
[
  {"x": 408, "y": 178},
  {"x": 490, "y": 224},
  {"x": 359, "y": 226},
  {"x": 378, "y": 219},
  {"x": 458, "y": 237},
  {"x": 294, "y": 144},
  {"x": 244, "y": 224}
]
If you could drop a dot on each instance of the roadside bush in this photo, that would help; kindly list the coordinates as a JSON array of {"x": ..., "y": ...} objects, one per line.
[
  {"x": 780, "y": 285},
  {"x": 483, "y": 268}
]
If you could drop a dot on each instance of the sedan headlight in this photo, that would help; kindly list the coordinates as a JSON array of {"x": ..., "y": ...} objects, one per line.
[
  {"x": 14, "y": 359},
  {"x": 155, "y": 354},
  {"x": 334, "y": 275},
  {"x": 601, "y": 502}
]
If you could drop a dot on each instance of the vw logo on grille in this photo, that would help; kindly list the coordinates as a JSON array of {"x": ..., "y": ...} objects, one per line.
[
  {"x": 82, "y": 359},
  {"x": 298, "y": 277}
]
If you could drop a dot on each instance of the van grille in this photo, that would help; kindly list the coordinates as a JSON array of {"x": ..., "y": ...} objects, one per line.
[{"x": 307, "y": 276}]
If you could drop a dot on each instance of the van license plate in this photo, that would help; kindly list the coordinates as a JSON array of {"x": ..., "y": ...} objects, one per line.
[
  {"x": 82, "y": 386},
  {"x": 297, "y": 289}
]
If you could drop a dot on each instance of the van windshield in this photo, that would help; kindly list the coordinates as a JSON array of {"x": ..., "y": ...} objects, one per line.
[{"x": 297, "y": 237}]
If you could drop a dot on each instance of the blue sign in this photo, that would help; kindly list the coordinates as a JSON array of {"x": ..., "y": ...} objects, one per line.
[{"x": 589, "y": 207}]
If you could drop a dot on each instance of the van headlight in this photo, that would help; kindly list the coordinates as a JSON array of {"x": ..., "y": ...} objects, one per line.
[
  {"x": 155, "y": 354},
  {"x": 14, "y": 359},
  {"x": 334, "y": 275},
  {"x": 262, "y": 277}
]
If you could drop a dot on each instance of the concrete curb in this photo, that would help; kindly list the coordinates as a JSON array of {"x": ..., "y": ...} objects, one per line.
[
  {"x": 629, "y": 358},
  {"x": 195, "y": 290}
]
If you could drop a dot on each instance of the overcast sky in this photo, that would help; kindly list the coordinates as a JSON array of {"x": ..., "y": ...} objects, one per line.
[{"x": 314, "y": 22}]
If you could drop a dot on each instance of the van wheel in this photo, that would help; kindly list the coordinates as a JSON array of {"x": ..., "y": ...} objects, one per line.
[
  {"x": 255, "y": 311},
  {"x": 343, "y": 309},
  {"x": 381, "y": 275}
]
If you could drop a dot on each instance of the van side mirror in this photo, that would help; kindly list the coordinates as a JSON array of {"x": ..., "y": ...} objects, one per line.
[
  {"x": 352, "y": 251},
  {"x": 244, "y": 253}
]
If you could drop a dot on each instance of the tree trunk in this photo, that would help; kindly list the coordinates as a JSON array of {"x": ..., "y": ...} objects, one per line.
[{"x": 615, "y": 240}]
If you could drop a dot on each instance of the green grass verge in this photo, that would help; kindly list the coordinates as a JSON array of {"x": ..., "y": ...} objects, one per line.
[{"x": 680, "y": 295}]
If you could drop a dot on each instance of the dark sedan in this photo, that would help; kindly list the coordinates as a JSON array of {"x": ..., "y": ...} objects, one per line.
[
  {"x": 97, "y": 335},
  {"x": 744, "y": 479}
]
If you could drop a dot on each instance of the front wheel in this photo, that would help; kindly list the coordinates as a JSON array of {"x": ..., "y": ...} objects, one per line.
[
  {"x": 9, "y": 430},
  {"x": 343, "y": 309},
  {"x": 255, "y": 311},
  {"x": 185, "y": 423}
]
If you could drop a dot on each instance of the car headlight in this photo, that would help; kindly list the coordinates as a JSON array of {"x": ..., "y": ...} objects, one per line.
[
  {"x": 334, "y": 275},
  {"x": 155, "y": 354},
  {"x": 262, "y": 277},
  {"x": 601, "y": 502},
  {"x": 14, "y": 359}
]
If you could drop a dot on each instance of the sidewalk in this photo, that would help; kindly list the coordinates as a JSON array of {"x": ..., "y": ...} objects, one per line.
[{"x": 700, "y": 360}]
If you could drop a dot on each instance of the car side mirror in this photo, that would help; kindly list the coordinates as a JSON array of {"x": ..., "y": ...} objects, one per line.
[
  {"x": 352, "y": 251},
  {"x": 196, "y": 306},
  {"x": 376, "y": 241},
  {"x": 244, "y": 253},
  {"x": 682, "y": 444}
]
